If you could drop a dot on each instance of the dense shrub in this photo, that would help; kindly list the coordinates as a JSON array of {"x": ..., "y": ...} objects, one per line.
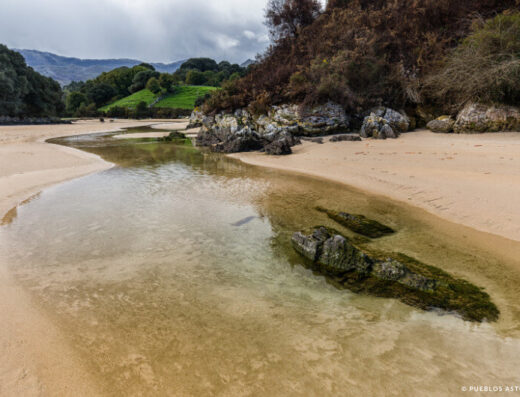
[
  {"x": 24, "y": 92},
  {"x": 359, "y": 53},
  {"x": 485, "y": 67}
]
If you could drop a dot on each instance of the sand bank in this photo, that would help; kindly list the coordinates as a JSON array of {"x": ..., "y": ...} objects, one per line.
[
  {"x": 35, "y": 359},
  {"x": 473, "y": 180}
]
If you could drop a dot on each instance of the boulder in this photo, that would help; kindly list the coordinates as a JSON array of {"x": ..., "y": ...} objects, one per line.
[
  {"x": 476, "y": 118},
  {"x": 244, "y": 140},
  {"x": 391, "y": 276},
  {"x": 278, "y": 147},
  {"x": 196, "y": 118},
  {"x": 398, "y": 121},
  {"x": 377, "y": 127},
  {"x": 443, "y": 124}
]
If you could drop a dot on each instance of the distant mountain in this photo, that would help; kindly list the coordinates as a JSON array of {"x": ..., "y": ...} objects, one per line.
[
  {"x": 247, "y": 63},
  {"x": 65, "y": 69}
]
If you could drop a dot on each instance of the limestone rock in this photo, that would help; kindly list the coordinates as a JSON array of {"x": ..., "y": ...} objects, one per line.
[
  {"x": 377, "y": 127},
  {"x": 476, "y": 118},
  {"x": 443, "y": 124},
  {"x": 398, "y": 121}
]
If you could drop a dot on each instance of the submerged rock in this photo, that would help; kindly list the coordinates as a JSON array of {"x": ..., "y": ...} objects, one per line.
[
  {"x": 476, "y": 118},
  {"x": 392, "y": 276},
  {"x": 358, "y": 223},
  {"x": 443, "y": 124}
]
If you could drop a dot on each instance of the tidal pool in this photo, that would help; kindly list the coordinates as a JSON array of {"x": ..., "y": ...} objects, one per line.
[{"x": 172, "y": 274}]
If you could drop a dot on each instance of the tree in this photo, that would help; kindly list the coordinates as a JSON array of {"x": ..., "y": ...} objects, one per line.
[
  {"x": 201, "y": 64},
  {"x": 287, "y": 17},
  {"x": 141, "y": 78},
  {"x": 153, "y": 85},
  {"x": 100, "y": 93},
  {"x": 141, "y": 110},
  {"x": 75, "y": 100},
  {"x": 195, "y": 77},
  {"x": 167, "y": 82}
]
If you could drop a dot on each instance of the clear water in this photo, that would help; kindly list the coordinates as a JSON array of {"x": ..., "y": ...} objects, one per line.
[{"x": 172, "y": 274}]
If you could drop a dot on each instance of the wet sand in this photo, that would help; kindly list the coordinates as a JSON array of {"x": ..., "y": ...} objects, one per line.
[
  {"x": 472, "y": 180},
  {"x": 35, "y": 360}
]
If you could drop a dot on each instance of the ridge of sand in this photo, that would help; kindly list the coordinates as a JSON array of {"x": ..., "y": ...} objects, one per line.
[
  {"x": 473, "y": 180},
  {"x": 35, "y": 359}
]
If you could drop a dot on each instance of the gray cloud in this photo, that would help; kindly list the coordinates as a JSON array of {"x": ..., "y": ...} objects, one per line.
[{"x": 151, "y": 30}]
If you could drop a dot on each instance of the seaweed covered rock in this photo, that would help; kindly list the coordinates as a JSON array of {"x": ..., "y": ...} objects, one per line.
[
  {"x": 476, "y": 118},
  {"x": 358, "y": 223},
  {"x": 443, "y": 124},
  {"x": 391, "y": 276}
]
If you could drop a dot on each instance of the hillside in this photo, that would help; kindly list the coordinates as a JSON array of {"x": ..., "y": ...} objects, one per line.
[
  {"x": 66, "y": 69},
  {"x": 184, "y": 97},
  {"x": 24, "y": 92},
  {"x": 357, "y": 53}
]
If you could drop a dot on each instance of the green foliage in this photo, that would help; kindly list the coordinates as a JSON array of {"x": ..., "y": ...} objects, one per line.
[
  {"x": 141, "y": 110},
  {"x": 153, "y": 85},
  {"x": 24, "y": 92},
  {"x": 200, "y": 64},
  {"x": 167, "y": 82},
  {"x": 195, "y": 77},
  {"x": 75, "y": 100},
  {"x": 141, "y": 78},
  {"x": 485, "y": 67}
]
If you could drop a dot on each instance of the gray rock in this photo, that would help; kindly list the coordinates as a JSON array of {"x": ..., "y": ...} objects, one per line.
[
  {"x": 377, "y": 127},
  {"x": 475, "y": 118},
  {"x": 443, "y": 124},
  {"x": 278, "y": 147},
  {"x": 399, "y": 122}
]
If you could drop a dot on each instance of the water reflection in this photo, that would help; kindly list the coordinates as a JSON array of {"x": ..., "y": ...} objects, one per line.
[{"x": 172, "y": 274}]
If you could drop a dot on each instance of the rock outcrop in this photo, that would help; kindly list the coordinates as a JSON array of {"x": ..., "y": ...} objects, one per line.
[
  {"x": 275, "y": 132},
  {"x": 443, "y": 124},
  {"x": 391, "y": 275},
  {"x": 476, "y": 118},
  {"x": 383, "y": 123},
  {"x": 346, "y": 137}
]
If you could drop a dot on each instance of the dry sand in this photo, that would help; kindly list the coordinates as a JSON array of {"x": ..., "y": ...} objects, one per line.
[
  {"x": 473, "y": 180},
  {"x": 35, "y": 360}
]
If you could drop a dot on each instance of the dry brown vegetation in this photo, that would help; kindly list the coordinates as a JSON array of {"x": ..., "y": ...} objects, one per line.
[{"x": 359, "y": 53}]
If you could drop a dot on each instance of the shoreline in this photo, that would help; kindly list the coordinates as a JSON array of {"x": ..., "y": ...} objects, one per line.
[
  {"x": 36, "y": 359},
  {"x": 472, "y": 180}
]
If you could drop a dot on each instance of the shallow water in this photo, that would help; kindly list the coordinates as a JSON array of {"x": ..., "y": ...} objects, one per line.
[{"x": 172, "y": 274}]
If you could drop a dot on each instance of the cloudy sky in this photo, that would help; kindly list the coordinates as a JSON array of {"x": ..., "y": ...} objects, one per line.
[{"x": 149, "y": 30}]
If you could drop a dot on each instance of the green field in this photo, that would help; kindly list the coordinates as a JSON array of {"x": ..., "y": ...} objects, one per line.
[
  {"x": 183, "y": 98},
  {"x": 132, "y": 100}
]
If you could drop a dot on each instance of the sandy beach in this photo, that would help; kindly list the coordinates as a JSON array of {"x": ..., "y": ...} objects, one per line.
[
  {"x": 35, "y": 360},
  {"x": 473, "y": 180},
  {"x": 469, "y": 179}
]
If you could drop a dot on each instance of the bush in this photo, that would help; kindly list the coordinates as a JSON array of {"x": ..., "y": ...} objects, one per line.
[
  {"x": 153, "y": 85},
  {"x": 485, "y": 67}
]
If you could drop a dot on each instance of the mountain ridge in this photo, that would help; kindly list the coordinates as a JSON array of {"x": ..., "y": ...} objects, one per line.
[{"x": 66, "y": 69}]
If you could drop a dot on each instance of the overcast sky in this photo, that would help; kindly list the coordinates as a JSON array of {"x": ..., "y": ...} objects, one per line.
[{"x": 148, "y": 30}]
